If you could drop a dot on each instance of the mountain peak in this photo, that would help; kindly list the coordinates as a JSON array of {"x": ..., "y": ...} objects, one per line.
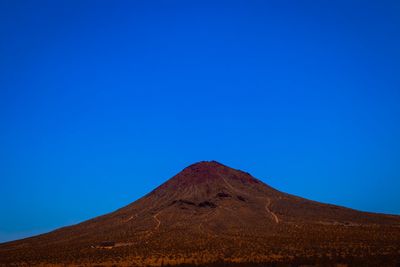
[
  {"x": 212, "y": 173},
  {"x": 205, "y": 179},
  {"x": 205, "y": 166},
  {"x": 201, "y": 172}
]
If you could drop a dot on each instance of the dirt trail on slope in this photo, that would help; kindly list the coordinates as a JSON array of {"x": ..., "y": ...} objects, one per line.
[
  {"x": 157, "y": 220},
  {"x": 270, "y": 212}
]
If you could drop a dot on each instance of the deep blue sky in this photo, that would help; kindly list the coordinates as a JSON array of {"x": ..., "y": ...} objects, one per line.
[{"x": 100, "y": 102}]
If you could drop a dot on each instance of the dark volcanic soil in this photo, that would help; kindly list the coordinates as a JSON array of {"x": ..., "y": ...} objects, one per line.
[{"x": 212, "y": 214}]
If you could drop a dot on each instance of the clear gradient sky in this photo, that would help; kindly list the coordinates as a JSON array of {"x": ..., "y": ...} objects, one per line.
[{"x": 101, "y": 101}]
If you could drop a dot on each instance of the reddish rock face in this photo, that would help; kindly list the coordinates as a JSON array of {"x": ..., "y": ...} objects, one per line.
[{"x": 211, "y": 212}]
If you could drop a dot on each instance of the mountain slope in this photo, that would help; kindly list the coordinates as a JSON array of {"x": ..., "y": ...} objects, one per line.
[{"x": 210, "y": 212}]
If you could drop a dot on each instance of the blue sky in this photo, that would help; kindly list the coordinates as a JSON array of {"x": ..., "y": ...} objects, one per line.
[{"x": 101, "y": 101}]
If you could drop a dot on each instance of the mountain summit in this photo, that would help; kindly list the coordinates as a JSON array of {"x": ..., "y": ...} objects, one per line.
[
  {"x": 206, "y": 171},
  {"x": 210, "y": 213}
]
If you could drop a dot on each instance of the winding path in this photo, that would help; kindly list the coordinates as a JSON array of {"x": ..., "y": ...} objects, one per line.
[
  {"x": 274, "y": 216},
  {"x": 270, "y": 212},
  {"x": 148, "y": 233},
  {"x": 157, "y": 220}
]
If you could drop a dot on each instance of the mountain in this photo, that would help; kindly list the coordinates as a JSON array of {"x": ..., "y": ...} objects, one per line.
[{"x": 210, "y": 214}]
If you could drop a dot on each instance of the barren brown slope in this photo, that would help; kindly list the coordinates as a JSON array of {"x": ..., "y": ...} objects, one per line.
[{"x": 210, "y": 212}]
